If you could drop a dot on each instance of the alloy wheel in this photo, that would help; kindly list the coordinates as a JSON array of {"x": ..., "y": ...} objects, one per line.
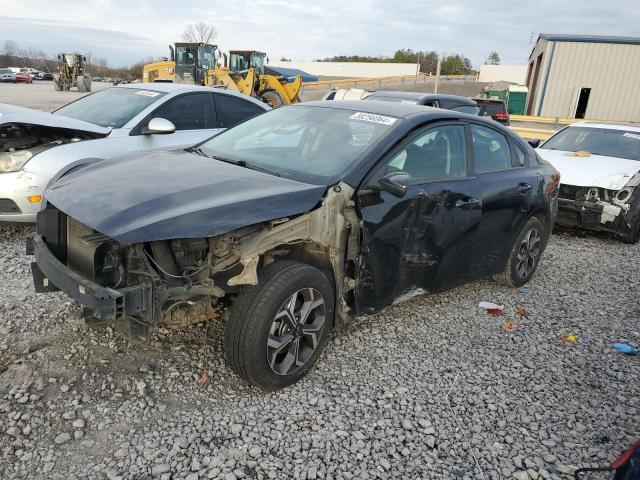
[
  {"x": 528, "y": 253},
  {"x": 295, "y": 331}
]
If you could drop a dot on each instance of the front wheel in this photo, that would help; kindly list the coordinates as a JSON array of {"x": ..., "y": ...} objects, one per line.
[
  {"x": 633, "y": 236},
  {"x": 272, "y": 98},
  {"x": 525, "y": 255},
  {"x": 279, "y": 327}
]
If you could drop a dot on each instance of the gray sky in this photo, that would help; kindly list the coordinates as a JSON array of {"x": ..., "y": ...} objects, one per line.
[{"x": 126, "y": 31}]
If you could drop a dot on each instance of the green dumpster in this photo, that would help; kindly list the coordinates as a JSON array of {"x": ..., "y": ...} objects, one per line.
[{"x": 516, "y": 99}]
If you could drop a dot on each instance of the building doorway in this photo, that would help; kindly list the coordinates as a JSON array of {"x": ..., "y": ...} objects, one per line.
[
  {"x": 533, "y": 86},
  {"x": 583, "y": 100}
]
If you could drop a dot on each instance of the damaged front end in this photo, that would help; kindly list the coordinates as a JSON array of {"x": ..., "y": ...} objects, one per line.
[
  {"x": 184, "y": 281},
  {"x": 596, "y": 208},
  {"x": 19, "y": 142}
]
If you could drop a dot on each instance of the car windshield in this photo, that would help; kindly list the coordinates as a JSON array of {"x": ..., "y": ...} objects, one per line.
[
  {"x": 112, "y": 107},
  {"x": 598, "y": 141},
  {"x": 309, "y": 144}
]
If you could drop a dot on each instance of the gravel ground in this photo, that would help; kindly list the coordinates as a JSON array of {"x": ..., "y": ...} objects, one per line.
[
  {"x": 41, "y": 95},
  {"x": 430, "y": 388}
]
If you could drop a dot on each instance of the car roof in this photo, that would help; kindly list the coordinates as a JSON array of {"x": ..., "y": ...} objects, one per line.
[
  {"x": 167, "y": 87},
  {"x": 418, "y": 96},
  {"x": 392, "y": 109},
  {"x": 488, "y": 100},
  {"x": 610, "y": 126}
]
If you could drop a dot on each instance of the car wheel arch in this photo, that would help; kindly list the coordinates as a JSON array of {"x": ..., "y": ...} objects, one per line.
[{"x": 73, "y": 167}]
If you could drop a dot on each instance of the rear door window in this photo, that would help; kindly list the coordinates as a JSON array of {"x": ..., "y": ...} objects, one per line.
[
  {"x": 491, "y": 150},
  {"x": 232, "y": 110},
  {"x": 191, "y": 111}
]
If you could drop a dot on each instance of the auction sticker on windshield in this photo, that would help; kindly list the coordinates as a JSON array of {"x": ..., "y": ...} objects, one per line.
[
  {"x": 147, "y": 93},
  {"x": 372, "y": 117},
  {"x": 632, "y": 135}
]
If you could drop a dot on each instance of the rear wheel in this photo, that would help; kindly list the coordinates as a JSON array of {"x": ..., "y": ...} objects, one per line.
[
  {"x": 525, "y": 255},
  {"x": 279, "y": 327},
  {"x": 272, "y": 98}
]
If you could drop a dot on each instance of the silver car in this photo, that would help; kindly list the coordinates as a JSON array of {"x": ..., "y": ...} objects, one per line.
[
  {"x": 37, "y": 148},
  {"x": 7, "y": 75}
]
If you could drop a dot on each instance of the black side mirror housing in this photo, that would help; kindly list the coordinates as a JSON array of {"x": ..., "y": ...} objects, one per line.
[
  {"x": 534, "y": 142},
  {"x": 396, "y": 183}
]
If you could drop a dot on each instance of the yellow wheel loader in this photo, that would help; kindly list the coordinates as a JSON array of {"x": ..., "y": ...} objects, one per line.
[
  {"x": 190, "y": 63},
  {"x": 248, "y": 74},
  {"x": 71, "y": 73},
  {"x": 196, "y": 63}
]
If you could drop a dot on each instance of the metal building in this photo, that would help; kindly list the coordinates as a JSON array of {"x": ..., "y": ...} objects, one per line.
[{"x": 579, "y": 76}]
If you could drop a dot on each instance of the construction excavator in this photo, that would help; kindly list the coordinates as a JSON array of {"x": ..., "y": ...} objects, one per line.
[
  {"x": 71, "y": 73},
  {"x": 243, "y": 71}
]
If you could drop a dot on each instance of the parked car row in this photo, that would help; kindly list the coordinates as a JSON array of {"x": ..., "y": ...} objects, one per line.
[
  {"x": 167, "y": 204},
  {"x": 8, "y": 75}
]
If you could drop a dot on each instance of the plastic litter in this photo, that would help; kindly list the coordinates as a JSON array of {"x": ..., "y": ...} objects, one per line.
[
  {"x": 569, "y": 339},
  {"x": 521, "y": 312},
  {"x": 492, "y": 308},
  {"x": 525, "y": 291},
  {"x": 508, "y": 326},
  {"x": 204, "y": 379},
  {"x": 624, "y": 348}
]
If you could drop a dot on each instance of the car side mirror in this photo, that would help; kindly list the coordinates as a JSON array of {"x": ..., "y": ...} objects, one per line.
[
  {"x": 534, "y": 142},
  {"x": 158, "y": 126},
  {"x": 396, "y": 183}
]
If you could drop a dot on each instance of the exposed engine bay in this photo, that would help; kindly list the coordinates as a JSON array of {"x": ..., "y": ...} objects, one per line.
[
  {"x": 18, "y": 136},
  {"x": 179, "y": 282}
]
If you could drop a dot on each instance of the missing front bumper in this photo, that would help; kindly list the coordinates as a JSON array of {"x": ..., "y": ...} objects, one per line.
[
  {"x": 50, "y": 275},
  {"x": 593, "y": 216}
]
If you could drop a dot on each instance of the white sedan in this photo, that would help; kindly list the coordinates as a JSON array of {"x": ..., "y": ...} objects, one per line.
[
  {"x": 37, "y": 148},
  {"x": 599, "y": 165}
]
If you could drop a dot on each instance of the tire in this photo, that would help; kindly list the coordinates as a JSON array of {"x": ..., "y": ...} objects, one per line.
[
  {"x": 260, "y": 336},
  {"x": 272, "y": 98},
  {"x": 633, "y": 236},
  {"x": 525, "y": 254}
]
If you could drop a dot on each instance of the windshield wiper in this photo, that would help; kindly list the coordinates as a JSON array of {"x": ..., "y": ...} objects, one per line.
[
  {"x": 245, "y": 164},
  {"x": 198, "y": 151}
]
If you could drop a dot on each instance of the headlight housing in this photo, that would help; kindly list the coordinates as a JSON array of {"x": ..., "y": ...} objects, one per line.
[{"x": 14, "y": 161}]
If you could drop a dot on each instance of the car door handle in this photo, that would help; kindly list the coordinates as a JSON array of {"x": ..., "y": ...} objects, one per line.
[
  {"x": 467, "y": 203},
  {"x": 523, "y": 188}
]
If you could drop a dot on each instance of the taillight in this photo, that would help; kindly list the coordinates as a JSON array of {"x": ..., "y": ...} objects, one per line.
[{"x": 502, "y": 115}]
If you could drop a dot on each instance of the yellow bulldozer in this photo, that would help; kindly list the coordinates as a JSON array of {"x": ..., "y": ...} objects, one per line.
[
  {"x": 243, "y": 71},
  {"x": 71, "y": 73}
]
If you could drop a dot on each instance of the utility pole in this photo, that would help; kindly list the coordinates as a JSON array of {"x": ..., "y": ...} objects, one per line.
[{"x": 435, "y": 87}]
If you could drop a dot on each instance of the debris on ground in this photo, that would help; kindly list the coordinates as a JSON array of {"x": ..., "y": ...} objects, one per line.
[
  {"x": 626, "y": 348},
  {"x": 508, "y": 326},
  {"x": 492, "y": 308},
  {"x": 569, "y": 339}
]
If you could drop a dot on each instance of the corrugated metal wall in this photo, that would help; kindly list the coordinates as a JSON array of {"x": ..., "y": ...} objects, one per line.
[{"x": 612, "y": 71}]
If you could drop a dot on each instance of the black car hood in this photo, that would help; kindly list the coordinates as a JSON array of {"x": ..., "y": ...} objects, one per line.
[{"x": 163, "y": 195}]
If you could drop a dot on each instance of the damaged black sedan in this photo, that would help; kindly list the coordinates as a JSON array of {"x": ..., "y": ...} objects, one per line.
[{"x": 294, "y": 222}]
